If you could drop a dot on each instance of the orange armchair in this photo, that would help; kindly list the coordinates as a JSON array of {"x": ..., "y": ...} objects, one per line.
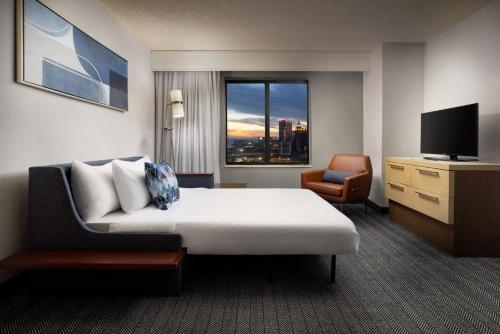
[{"x": 355, "y": 189}]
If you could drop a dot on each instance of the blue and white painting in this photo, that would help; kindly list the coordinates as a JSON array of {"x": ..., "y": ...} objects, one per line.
[{"x": 61, "y": 57}]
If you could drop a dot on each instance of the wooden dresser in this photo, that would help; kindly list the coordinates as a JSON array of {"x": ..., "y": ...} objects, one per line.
[{"x": 454, "y": 205}]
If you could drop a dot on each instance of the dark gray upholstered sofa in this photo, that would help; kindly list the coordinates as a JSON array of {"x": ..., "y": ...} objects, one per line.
[{"x": 54, "y": 222}]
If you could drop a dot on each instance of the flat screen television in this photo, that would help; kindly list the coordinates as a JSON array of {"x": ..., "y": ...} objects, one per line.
[{"x": 452, "y": 132}]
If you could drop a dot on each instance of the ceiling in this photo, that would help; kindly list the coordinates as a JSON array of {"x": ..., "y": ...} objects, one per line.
[{"x": 333, "y": 25}]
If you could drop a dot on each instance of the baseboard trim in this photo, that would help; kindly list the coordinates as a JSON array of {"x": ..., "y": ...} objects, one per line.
[{"x": 383, "y": 210}]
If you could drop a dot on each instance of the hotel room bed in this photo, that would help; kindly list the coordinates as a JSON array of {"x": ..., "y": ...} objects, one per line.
[
  {"x": 244, "y": 221},
  {"x": 205, "y": 221}
]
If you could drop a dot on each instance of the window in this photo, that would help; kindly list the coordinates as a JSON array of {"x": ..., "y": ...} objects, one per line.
[{"x": 267, "y": 122}]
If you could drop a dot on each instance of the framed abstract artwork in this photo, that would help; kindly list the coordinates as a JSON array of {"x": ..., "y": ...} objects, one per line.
[{"x": 54, "y": 55}]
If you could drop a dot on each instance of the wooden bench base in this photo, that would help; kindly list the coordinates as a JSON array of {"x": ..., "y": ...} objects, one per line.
[{"x": 100, "y": 271}]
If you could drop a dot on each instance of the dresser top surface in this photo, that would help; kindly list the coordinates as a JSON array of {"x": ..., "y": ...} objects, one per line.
[{"x": 446, "y": 165}]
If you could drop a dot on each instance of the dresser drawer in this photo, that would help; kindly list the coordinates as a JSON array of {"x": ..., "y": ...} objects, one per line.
[
  {"x": 398, "y": 172},
  {"x": 398, "y": 192},
  {"x": 433, "y": 205},
  {"x": 433, "y": 180}
]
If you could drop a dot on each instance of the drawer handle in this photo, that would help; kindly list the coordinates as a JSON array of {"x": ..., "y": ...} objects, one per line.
[
  {"x": 397, "y": 167},
  {"x": 428, "y": 172},
  {"x": 394, "y": 186},
  {"x": 427, "y": 197}
]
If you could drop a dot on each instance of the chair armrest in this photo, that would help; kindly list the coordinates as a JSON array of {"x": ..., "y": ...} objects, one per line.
[
  {"x": 311, "y": 176},
  {"x": 357, "y": 186}
]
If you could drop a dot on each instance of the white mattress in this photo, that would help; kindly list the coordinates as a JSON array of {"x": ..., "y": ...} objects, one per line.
[{"x": 246, "y": 221}]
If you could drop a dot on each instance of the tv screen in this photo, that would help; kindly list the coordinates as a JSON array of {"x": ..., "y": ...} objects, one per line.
[{"x": 452, "y": 131}]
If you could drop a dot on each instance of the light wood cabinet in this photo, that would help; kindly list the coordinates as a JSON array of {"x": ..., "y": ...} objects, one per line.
[
  {"x": 398, "y": 192},
  {"x": 398, "y": 172},
  {"x": 425, "y": 189},
  {"x": 432, "y": 179},
  {"x": 433, "y": 205},
  {"x": 455, "y": 205}
]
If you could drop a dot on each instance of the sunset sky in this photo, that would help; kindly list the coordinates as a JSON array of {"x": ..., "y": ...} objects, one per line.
[{"x": 246, "y": 108}]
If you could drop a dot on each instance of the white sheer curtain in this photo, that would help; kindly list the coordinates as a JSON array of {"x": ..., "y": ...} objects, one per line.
[{"x": 192, "y": 145}]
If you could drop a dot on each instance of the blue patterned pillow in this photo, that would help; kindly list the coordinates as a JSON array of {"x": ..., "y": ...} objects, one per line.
[{"x": 162, "y": 184}]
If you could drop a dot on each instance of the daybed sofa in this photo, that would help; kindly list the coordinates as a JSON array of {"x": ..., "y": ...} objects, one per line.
[{"x": 205, "y": 221}]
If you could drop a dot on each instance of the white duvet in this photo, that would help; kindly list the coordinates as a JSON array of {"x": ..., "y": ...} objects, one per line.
[{"x": 246, "y": 221}]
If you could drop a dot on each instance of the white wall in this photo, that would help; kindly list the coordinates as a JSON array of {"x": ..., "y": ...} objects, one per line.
[
  {"x": 260, "y": 60},
  {"x": 336, "y": 124},
  {"x": 393, "y": 102},
  {"x": 372, "y": 122},
  {"x": 403, "y": 69},
  {"x": 462, "y": 66},
  {"x": 38, "y": 127}
]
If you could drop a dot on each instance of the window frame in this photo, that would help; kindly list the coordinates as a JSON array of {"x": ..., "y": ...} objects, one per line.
[{"x": 267, "y": 162}]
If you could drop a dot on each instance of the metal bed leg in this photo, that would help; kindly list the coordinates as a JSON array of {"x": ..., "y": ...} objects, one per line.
[
  {"x": 270, "y": 268},
  {"x": 332, "y": 269}
]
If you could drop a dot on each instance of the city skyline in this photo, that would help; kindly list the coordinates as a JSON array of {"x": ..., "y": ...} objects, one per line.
[
  {"x": 291, "y": 145},
  {"x": 273, "y": 131},
  {"x": 288, "y": 137},
  {"x": 246, "y": 108}
]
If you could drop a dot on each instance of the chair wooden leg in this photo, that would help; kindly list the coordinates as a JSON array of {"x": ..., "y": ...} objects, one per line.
[{"x": 333, "y": 264}]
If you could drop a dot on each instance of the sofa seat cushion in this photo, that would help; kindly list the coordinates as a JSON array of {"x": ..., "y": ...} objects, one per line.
[{"x": 325, "y": 188}]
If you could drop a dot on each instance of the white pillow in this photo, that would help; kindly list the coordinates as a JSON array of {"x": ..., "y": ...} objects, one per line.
[
  {"x": 93, "y": 189},
  {"x": 130, "y": 183}
]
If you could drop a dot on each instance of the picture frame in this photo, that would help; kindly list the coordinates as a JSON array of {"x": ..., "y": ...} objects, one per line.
[{"x": 58, "y": 57}]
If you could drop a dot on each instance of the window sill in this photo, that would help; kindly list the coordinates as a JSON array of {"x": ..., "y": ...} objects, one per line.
[{"x": 267, "y": 166}]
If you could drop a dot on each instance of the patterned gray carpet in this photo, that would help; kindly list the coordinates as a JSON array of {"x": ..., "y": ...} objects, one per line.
[{"x": 396, "y": 283}]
